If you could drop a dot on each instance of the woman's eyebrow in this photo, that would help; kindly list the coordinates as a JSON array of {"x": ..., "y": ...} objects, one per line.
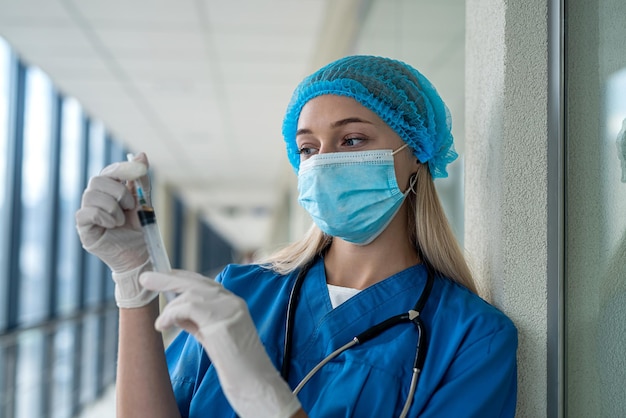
[
  {"x": 303, "y": 131},
  {"x": 347, "y": 121},
  {"x": 336, "y": 124}
]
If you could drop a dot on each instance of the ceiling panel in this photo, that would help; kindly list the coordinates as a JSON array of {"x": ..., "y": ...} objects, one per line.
[
  {"x": 127, "y": 41},
  {"x": 77, "y": 67},
  {"x": 32, "y": 12},
  {"x": 120, "y": 12},
  {"x": 238, "y": 15}
]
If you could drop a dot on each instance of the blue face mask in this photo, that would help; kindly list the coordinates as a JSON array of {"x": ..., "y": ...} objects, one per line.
[{"x": 351, "y": 195}]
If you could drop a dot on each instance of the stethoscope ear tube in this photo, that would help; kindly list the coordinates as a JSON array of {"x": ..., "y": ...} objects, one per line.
[
  {"x": 420, "y": 352},
  {"x": 294, "y": 297},
  {"x": 377, "y": 329}
]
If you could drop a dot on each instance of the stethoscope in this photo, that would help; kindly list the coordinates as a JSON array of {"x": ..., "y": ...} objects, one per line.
[{"x": 411, "y": 316}]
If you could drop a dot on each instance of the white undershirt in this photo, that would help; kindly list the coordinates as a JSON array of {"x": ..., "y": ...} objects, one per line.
[{"x": 339, "y": 295}]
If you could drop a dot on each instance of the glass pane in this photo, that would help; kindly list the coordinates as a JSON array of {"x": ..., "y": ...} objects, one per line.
[
  {"x": 215, "y": 251},
  {"x": 29, "y": 373},
  {"x": 89, "y": 361},
  {"x": 110, "y": 347},
  {"x": 64, "y": 345},
  {"x": 96, "y": 161},
  {"x": 116, "y": 153},
  {"x": 70, "y": 190},
  {"x": 611, "y": 353},
  {"x": 177, "y": 222},
  {"x": 5, "y": 62},
  {"x": 97, "y": 149},
  {"x": 4, "y": 390},
  {"x": 8, "y": 391},
  {"x": 595, "y": 209},
  {"x": 36, "y": 199}
]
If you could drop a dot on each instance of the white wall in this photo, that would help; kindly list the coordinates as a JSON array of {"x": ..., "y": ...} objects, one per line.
[{"x": 506, "y": 174}]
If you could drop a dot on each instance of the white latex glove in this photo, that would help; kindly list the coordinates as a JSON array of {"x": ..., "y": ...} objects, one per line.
[
  {"x": 221, "y": 322},
  {"x": 108, "y": 228}
]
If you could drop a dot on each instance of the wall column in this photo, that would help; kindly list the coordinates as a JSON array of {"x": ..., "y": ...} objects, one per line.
[{"x": 506, "y": 174}]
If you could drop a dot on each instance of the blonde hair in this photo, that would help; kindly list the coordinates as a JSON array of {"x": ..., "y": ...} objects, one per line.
[
  {"x": 431, "y": 233},
  {"x": 431, "y": 236},
  {"x": 299, "y": 253}
]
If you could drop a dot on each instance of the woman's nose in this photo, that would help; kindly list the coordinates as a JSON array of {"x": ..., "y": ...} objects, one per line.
[{"x": 327, "y": 147}]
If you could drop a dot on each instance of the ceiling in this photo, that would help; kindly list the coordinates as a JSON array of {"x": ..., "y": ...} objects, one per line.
[{"x": 201, "y": 85}]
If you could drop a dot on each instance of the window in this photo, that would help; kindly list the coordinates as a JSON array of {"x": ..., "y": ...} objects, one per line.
[
  {"x": 90, "y": 359},
  {"x": 214, "y": 251},
  {"x": 595, "y": 203},
  {"x": 36, "y": 198},
  {"x": 96, "y": 270},
  {"x": 177, "y": 222},
  {"x": 63, "y": 374},
  {"x": 115, "y": 153},
  {"x": 109, "y": 352},
  {"x": 70, "y": 190},
  {"x": 48, "y": 148},
  {"x": 5, "y": 73},
  {"x": 29, "y": 374}
]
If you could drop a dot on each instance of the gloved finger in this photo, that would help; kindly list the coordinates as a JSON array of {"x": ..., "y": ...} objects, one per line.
[
  {"x": 125, "y": 170},
  {"x": 176, "y": 313},
  {"x": 179, "y": 281},
  {"x": 102, "y": 209},
  {"x": 107, "y": 188},
  {"x": 88, "y": 231},
  {"x": 89, "y": 217}
]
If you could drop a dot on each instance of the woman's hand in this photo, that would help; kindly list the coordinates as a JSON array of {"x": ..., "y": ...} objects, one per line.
[
  {"x": 109, "y": 229},
  {"x": 221, "y": 322}
]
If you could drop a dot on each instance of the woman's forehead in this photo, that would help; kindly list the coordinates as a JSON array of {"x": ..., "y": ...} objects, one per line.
[{"x": 331, "y": 108}]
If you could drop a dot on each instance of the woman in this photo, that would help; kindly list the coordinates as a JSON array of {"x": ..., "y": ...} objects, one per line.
[{"x": 366, "y": 136}]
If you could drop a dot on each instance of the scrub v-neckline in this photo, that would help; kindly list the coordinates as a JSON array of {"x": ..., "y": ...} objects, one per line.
[{"x": 332, "y": 328}]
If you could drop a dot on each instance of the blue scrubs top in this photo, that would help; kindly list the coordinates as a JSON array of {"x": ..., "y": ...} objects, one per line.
[{"x": 470, "y": 368}]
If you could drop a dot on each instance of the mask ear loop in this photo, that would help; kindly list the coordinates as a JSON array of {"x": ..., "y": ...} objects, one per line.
[
  {"x": 412, "y": 182},
  {"x": 399, "y": 149},
  {"x": 413, "y": 178}
]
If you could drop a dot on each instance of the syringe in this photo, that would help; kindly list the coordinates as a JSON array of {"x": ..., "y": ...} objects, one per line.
[{"x": 152, "y": 234}]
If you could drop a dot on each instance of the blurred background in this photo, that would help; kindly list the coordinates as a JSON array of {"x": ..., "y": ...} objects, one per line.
[
  {"x": 200, "y": 86},
  {"x": 536, "y": 90}
]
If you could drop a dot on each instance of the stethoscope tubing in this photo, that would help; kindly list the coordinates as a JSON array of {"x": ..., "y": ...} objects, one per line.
[
  {"x": 322, "y": 363},
  {"x": 413, "y": 315}
]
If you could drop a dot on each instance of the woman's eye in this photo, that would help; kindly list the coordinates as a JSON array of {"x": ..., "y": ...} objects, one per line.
[
  {"x": 352, "y": 142},
  {"x": 306, "y": 151}
]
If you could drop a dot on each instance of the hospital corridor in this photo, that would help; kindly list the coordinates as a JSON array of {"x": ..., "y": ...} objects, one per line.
[{"x": 536, "y": 95}]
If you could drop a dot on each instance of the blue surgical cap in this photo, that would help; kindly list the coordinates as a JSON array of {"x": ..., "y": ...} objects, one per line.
[{"x": 400, "y": 95}]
